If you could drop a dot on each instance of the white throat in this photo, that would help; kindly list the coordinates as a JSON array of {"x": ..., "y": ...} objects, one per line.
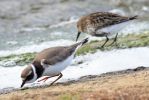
[{"x": 35, "y": 74}]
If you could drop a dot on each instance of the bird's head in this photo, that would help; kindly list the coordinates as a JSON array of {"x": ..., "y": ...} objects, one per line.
[
  {"x": 28, "y": 75},
  {"x": 81, "y": 25}
]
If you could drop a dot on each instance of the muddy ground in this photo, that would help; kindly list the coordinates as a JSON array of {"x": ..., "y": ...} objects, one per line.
[{"x": 130, "y": 84}]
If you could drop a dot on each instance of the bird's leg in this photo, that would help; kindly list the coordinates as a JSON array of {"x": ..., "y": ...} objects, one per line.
[
  {"x": 115, "y": 40},
  {"x": 47, "y": 77},
  {"x": 60, "y": 75},
  {"x": 102, "y": 34},
  {"x": 44, "y": 79},
  {"x": 107, "y": 39}
]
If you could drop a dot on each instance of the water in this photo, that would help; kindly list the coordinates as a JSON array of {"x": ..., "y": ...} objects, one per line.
[
  {"x": 32, "y": 22},
  {"x": 31, "y": 26}
]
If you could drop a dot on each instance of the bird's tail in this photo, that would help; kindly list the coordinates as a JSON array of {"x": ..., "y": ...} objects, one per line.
[
  {"x": 79, "y": 44},
  {"x": 76, "y": 46},
  {"x": 128, "y": 19},
  {"x": 134, "y": 17},
  {"x": 84, "y": 41}
]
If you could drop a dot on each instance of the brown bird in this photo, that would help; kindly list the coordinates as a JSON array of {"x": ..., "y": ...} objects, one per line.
[
  {"x": 50, "y": 62},
  {"x": 102, "y": 24}
]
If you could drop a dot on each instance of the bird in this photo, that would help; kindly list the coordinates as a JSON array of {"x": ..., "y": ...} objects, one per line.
[
  {"x": 50, "y": 62},
  {"x": 102, "y": 24}
]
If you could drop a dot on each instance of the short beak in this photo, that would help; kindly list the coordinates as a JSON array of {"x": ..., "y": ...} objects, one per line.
[
  {"x": 23, "y": 82},
  {"x": 78, "y": 35}
]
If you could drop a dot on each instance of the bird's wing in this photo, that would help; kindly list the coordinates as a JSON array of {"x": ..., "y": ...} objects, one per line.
[
  {"x": 105, "y": 19},
  {"x": 54, "y": 55},
  {"x": 61, "y": 55}
]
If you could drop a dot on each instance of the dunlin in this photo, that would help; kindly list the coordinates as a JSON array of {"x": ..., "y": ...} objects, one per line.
[{"x": 102, "y": 24}]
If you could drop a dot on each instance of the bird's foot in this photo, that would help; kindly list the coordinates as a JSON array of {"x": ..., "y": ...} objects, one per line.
[
  {"x": 51, "y": 84},
  {"x": 101, "y": 48},
  {"x": 117, "y": 45}
]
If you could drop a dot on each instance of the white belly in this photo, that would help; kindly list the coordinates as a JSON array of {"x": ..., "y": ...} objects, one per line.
[
  {"x": 113, "y": 29},
  {"x": 57, "y": 68}
]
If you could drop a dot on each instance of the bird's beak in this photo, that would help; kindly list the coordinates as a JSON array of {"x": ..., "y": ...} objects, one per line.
[
  {"x": 78, "y": 35},
  {"x": 23, "y": 82}
]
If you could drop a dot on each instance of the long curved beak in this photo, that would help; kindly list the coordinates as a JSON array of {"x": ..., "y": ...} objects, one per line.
[
  {"x": 78, "y": 36},
  {"x": 23, "y": 82}
]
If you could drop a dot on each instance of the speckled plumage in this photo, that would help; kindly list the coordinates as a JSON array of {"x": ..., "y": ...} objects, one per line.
[
  {"x": 100, "y": 20},
  {"x": 93, "y": 22}
]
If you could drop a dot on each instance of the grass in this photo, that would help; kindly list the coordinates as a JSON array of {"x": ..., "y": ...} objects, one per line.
[
  {"x": 128, "y": 41},
  {"x": 69, "y": 96},
  {"x": 19, "y": 59}
]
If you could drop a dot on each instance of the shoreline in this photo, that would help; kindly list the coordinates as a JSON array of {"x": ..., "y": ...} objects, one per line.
[
  {"x": 124, "y": 42},
  {"x": 88, "y": 78}
]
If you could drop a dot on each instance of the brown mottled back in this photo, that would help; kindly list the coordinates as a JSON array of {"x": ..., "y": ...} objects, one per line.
[{"x": 99, "y": 20}]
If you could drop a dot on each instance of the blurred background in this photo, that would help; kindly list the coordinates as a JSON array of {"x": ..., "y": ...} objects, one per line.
[{"x": 28, "y": 22}]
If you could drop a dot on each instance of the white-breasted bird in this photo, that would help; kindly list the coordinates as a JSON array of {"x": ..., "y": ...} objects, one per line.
[
  {"x": 102, "y": 24},
  {"x": 50, "y": 62}
]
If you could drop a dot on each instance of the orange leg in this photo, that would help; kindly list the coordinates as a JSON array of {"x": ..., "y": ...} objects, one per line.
[
  {"x": 60, "y": 75},
  {"x": 47, "y": 77},
  {"x": 44, "y": 79}
]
